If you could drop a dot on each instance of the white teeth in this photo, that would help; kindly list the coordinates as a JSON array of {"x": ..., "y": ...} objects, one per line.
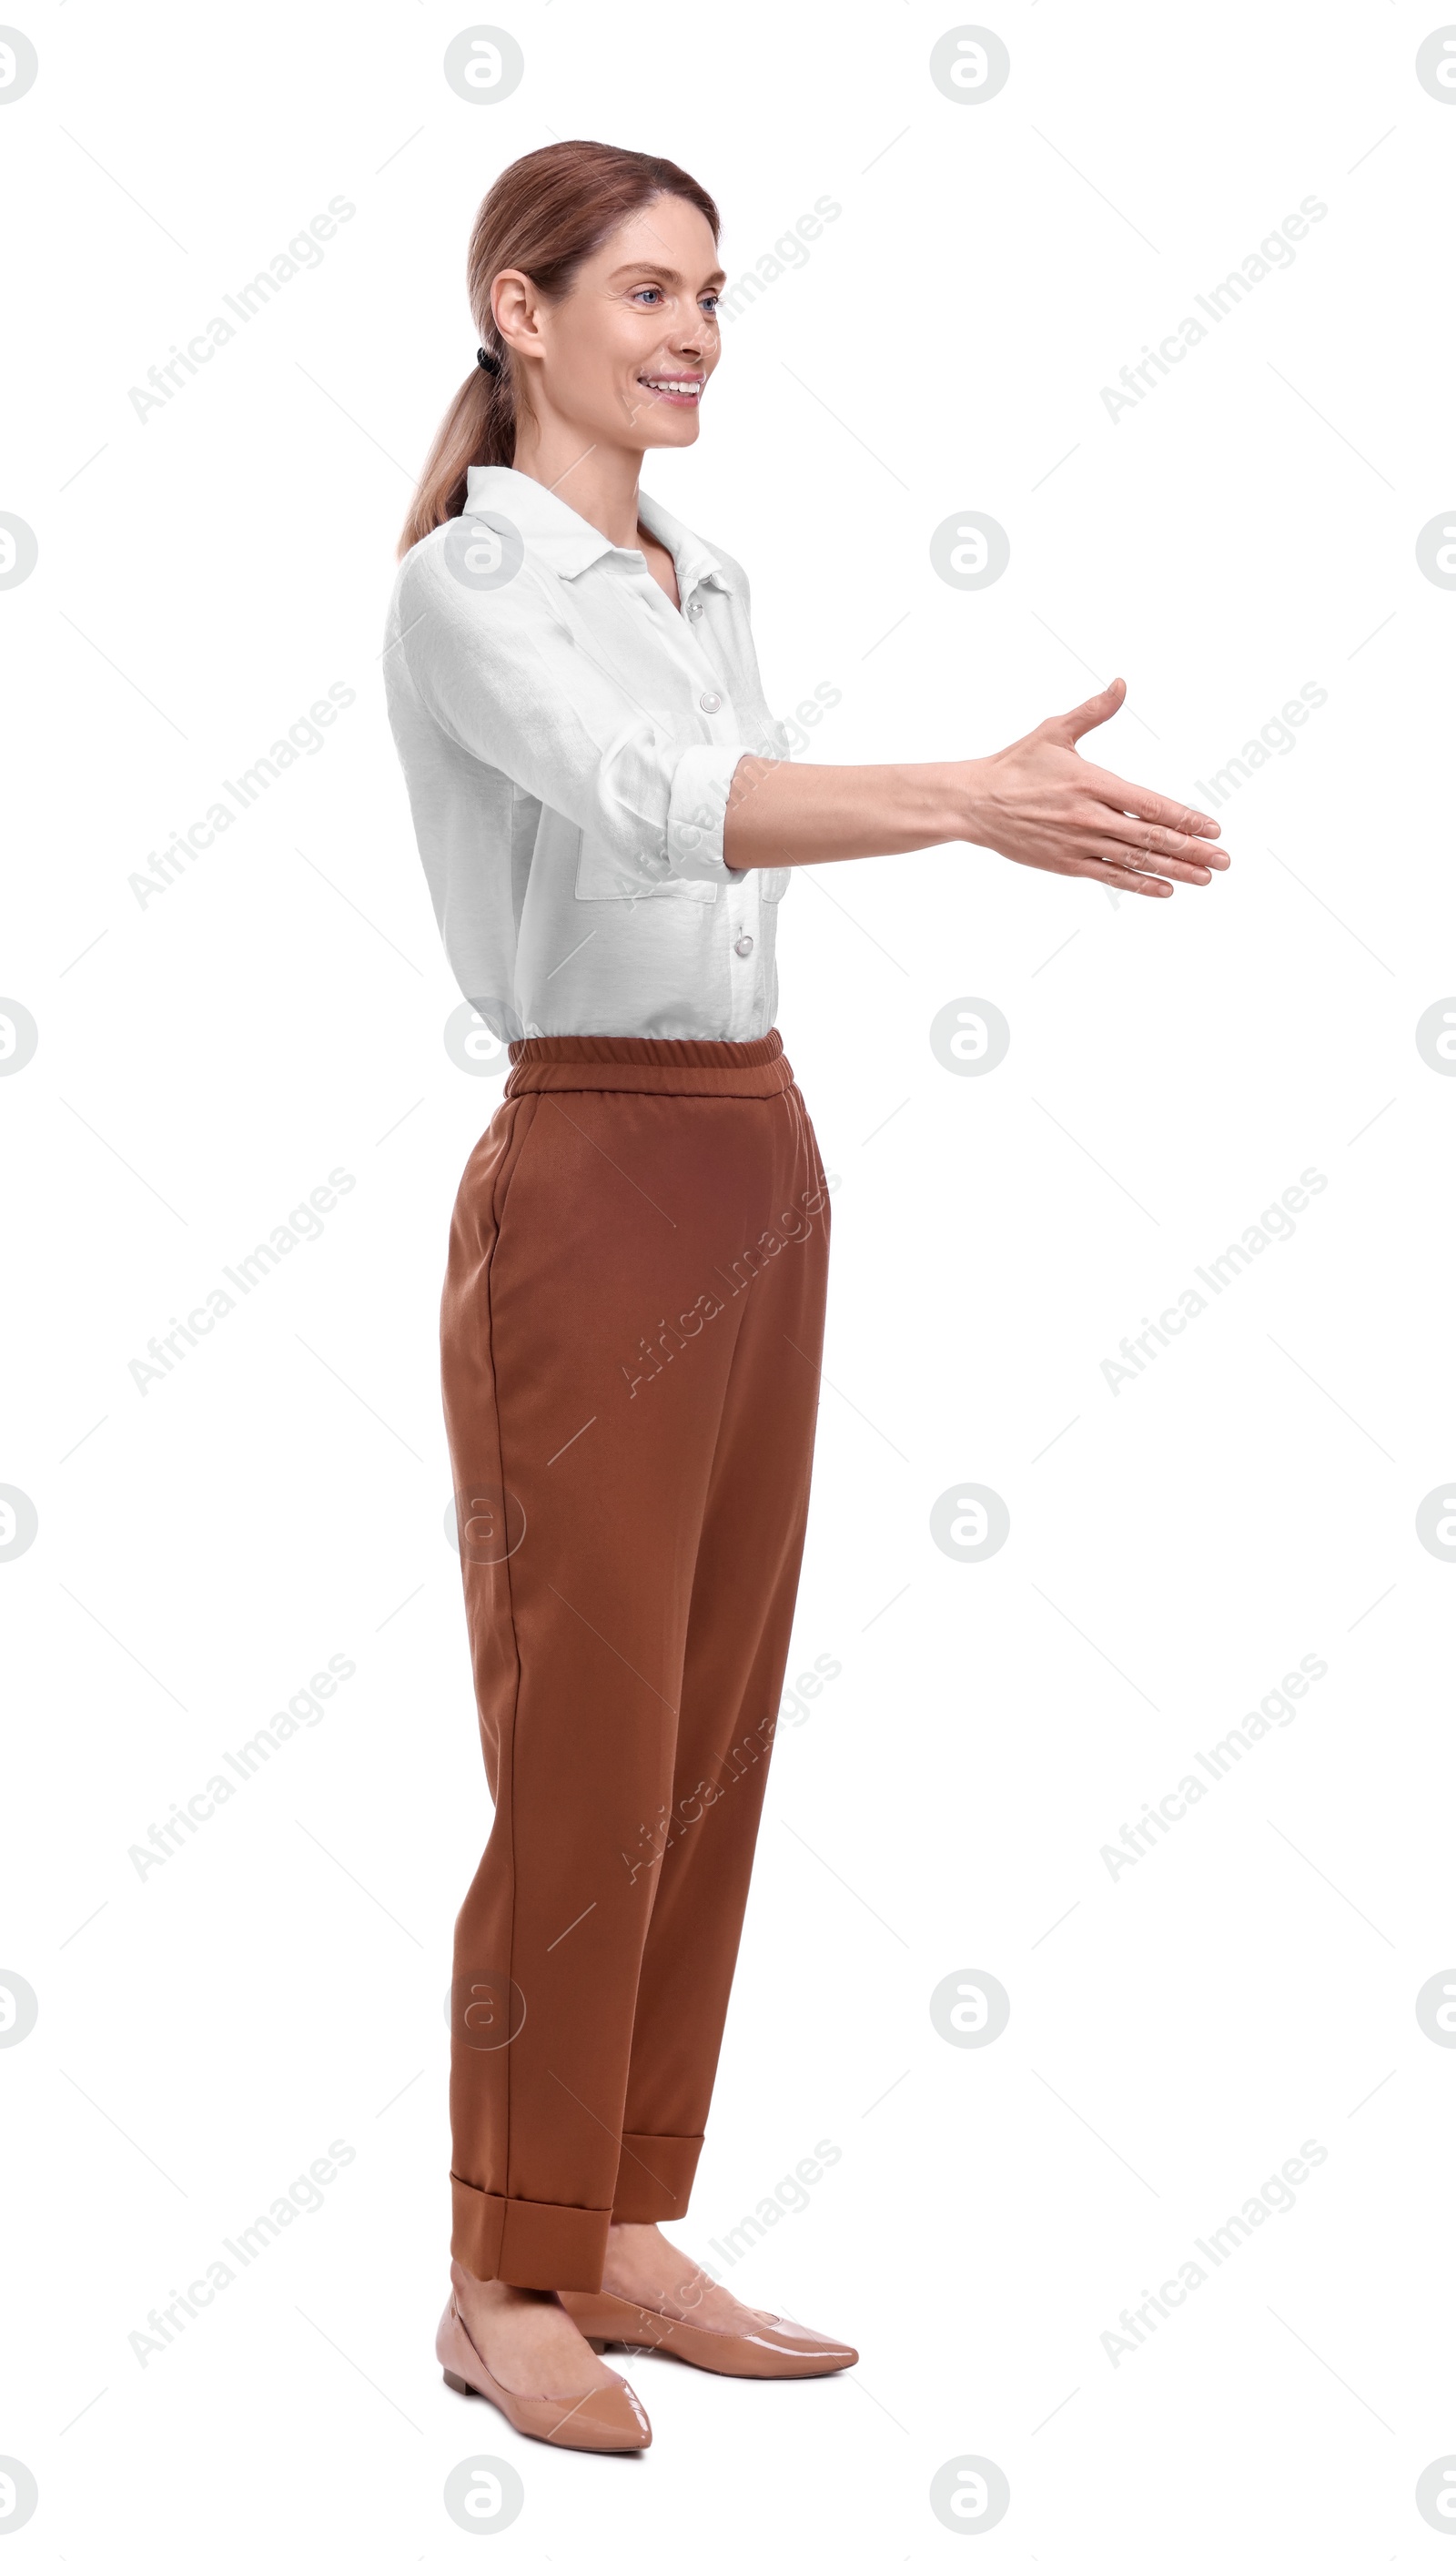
[{"x": 689, "y": 390}]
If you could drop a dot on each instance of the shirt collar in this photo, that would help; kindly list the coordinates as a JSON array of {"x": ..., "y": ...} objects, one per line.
[
  {"x": 568, "y": 544},
  {"x": 692, "y": 559}
]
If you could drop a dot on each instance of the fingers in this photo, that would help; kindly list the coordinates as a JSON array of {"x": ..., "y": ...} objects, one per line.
[
  {"x": 1112, "y": 876},
  {"x": 1091, "y": 714},
  {"x": 1155, "y": 846},
  {"x": 1132, "y": 798},
  {"x": 1094, "y": 849}
]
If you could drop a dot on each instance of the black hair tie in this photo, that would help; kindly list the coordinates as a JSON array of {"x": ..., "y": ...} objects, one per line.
[{"x": 488, "y": 363}]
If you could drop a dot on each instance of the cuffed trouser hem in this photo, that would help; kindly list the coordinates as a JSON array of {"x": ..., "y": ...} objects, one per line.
[
  {"x": 655, "y": 2178},
  {"x": 525, "y": 2244}
]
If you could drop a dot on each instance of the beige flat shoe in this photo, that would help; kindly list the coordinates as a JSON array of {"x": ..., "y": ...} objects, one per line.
[
  {"x": 776, "y": 2349},
  {"x": 607, "y": 2421}
]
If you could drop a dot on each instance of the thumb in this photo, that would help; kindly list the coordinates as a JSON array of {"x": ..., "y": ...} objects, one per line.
[{"x": 1091, "y": 714}]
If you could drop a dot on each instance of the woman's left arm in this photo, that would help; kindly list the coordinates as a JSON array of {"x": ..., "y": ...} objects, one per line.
[{"x": 1035, "y": 803}]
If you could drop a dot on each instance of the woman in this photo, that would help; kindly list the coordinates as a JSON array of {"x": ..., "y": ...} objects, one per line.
[{"x": 633, "y": 1307}]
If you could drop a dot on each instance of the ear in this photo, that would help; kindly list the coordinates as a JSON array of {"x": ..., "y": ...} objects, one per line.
[{"x": 514, "y": 308}]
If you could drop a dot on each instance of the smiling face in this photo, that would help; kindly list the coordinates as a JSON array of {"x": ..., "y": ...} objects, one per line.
[{"x": 624, "y": 359}]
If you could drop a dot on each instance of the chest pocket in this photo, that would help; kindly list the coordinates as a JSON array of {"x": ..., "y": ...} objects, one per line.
[{"x": 603, "y": 871}]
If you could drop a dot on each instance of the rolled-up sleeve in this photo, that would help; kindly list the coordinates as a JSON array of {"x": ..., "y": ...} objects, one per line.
[{"x": 503, "y": 673}]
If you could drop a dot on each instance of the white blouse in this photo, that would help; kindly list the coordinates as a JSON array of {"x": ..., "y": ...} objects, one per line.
[{"x": 567, "y": 740}]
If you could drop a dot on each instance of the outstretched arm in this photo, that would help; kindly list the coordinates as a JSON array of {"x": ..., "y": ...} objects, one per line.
[{"x": 1035, "y": 802}]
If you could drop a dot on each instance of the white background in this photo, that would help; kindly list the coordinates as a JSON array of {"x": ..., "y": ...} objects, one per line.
[{"x": 206, "y": 1059}]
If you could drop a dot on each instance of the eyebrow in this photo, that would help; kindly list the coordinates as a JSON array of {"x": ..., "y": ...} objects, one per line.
[{"x": 664, "y": 274}]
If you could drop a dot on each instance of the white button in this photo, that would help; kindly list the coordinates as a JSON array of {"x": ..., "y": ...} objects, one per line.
[
  {"x": 743, "y": 946},
  {"x": 709, "y": 702},
  {"x": 695, "y": 608}
]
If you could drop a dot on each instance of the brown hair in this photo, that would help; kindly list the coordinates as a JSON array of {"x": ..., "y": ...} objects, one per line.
[{"x": 545, "y": 214}]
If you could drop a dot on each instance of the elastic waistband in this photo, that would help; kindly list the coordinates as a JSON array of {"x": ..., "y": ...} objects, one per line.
[{"x": 602, "y": 1063}]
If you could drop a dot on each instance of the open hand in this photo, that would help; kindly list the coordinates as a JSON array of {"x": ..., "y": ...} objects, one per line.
[{"x": 1037, "y": 803}]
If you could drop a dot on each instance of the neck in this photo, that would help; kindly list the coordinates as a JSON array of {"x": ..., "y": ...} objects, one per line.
[{"x": 598, "y": 482}]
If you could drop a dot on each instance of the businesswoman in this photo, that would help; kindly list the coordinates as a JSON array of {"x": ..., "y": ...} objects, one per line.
[{"x": 634, "y": 1297}]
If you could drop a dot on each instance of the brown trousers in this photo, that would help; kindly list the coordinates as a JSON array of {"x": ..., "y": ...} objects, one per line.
[{"x": 631, "y": 1332}]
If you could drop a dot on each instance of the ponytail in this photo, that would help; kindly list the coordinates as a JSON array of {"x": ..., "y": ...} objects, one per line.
[{"x": 479, "y": 426}]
